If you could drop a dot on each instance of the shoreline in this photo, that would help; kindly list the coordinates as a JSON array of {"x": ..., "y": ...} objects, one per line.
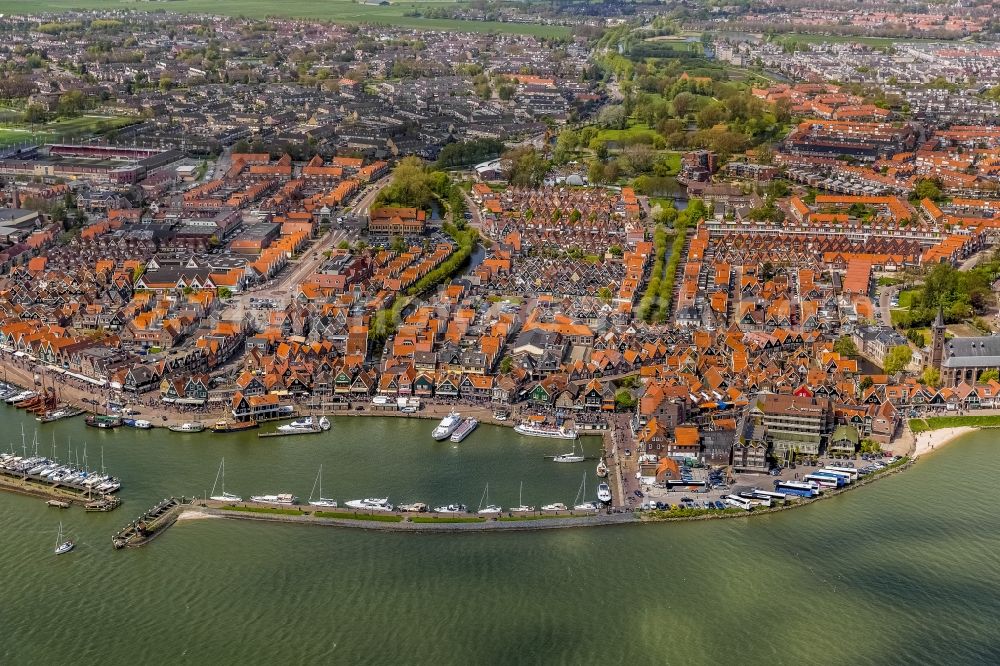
[
  {"x": 201, "y": 511},
  {"x": 932, "y": 440}
]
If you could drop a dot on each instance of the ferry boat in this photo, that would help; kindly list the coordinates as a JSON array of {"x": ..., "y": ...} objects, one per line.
[
  {"x": 464, "y": 430},
  {"x": 451, "y": 508},
  {"x": 233, "y": 426},
  {"x": 370, "y": 504},
  {"x": 602, "y": 469},
  {"x": 103, "y": 422},
  {"x": 540, "y": 430},
  {"x": 190, "y": 426},
  {"x": 558, "y": 506},
  {"x": 604, "y": 492},
  {"x": 282, "y": 498},
  {"x": 447, "y": 426}
]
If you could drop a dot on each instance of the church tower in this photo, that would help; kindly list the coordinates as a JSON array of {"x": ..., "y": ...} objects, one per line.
[{"x": 937, "y": 340}]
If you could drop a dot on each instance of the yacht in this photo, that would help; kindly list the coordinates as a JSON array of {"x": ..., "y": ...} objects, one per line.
[
  {"x": 308, "y": 424},
  {"x": 283, "y": 498},
  {"x": 602, "y": 469},
  {"x": 447, "y": 426},
  {"x": 520, "y": 505},
  {"x": 489, "y": 509},
  {"x": 63, "y": 546},
  {"x": 190, "y": 426},
  {"x": 604, "y": 492},
  {"x": 142, "y": 424},
  {"x": 224, "y": 497},
  {"x": 571, "y": 457},
  {"x": 320, "y": 501},
  {"x": 464, "y": 430},
  {"x": 587, "y": 506},
  {"x": 451, "y": 508},
  {"x": 541, "y": 430},
  {"x": 370, "y": 504},
  {"x": 416, "y": 507},
  {"x": 558, "y": 506}
]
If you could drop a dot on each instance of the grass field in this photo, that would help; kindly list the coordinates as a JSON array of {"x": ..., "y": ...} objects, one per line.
[
  {"x": 265, "y": 509},
  {"x": 337, "y": 11},
  {"x": 343, "y": 515},
  {"x": 938, "y": 422},
  {"x": 803, "y": 38},
  {"x": 60, "y": 130},
  {"x": 635, "y": 131}
]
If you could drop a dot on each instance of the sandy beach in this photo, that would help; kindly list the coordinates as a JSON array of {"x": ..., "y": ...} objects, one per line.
[
  {"x": 935, "y": 439},
  {"x": 195, "y": 515}
]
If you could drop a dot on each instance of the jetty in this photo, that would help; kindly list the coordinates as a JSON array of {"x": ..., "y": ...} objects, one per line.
[
  {"x": 149, "y": 525},
  {"x": 290, "y": 433}
]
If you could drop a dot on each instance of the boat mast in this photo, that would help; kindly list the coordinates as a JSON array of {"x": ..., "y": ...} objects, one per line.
[{"x": 485, "y": 497}]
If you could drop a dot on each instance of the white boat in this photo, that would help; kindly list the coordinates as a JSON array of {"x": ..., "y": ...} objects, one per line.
[
  {"x": 281, "y": 498},
  {"x": 416, "y": 507},
  {"x": 63, "y": 546},
  {"x": 142, "y": 424},
  {"x": 190, "y": 426},
  {"x": 578, "y": 504},
  {"x": 558, "y": 506},
  {"x": 447, "y": 426},
  {"x": 521, "y": 506},
  {"x": 552, "y": 432},
  {"x": 370, "y": 504},
  {"x": 604, "y": 492},
  {"x": 571, "y": 457},
  {"x": 320, "y": 501},
  {"x": 451, "y": 508},
  {"x": 308, "y": 424},
  {"x": 602, "y": 469},
  {"x": 465, "y": 429},
  {"x": 489, "y": 509},
  {"x": 224, "y": 497}
]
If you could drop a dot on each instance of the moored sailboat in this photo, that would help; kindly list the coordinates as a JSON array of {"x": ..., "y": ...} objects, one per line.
[
  {"x": 320, "y": 501},
  {"x": 224, "y": 497}
]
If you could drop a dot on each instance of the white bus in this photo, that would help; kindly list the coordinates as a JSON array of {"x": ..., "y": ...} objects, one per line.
[{"x": 738, "y": 502}]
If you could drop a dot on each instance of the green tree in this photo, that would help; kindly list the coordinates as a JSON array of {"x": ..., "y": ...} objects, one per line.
[
  {"x": 624, "y": 400},
  {"x": 845, "y": 347},
  {"x": 987, "y": 375},
  {"x": 527, "y": 167},
  {"x": 866, "y": 383},
  {"x": 931, "y": 377},
  {"x": 506, "y": 364},
  {"x": 897, "y": 359}
]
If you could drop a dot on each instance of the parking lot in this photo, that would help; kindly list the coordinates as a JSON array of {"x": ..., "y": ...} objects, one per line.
[{"x": 716, "y": 486}]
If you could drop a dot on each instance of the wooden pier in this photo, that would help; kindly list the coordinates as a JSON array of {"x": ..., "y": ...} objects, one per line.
[
  {"x": 149, "y": 525},
  {"x": 291, "y": 433}
]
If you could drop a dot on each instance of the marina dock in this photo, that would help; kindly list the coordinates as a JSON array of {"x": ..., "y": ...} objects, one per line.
[{"x": 149, "y": 525}]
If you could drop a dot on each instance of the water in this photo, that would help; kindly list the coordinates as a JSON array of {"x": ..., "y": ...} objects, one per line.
[{"x": 903, "y": 571}]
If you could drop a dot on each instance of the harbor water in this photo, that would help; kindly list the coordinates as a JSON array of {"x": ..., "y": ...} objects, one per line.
[{"x": 906, "y": 570}]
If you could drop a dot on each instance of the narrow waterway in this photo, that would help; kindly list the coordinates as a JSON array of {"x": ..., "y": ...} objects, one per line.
[{"x": 902, "y": 571}]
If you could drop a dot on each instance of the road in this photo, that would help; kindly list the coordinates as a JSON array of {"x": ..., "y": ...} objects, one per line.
[{"x": 281, "y": 289}]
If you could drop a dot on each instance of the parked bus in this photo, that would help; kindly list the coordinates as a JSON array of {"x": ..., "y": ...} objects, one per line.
[
  {"x": 797, "y": 488},
  {"x": 849, "y": 471},
  {"x": 756, "y": 501},
  {"x": 768, "y": 494},
  {"x": 825, "y": 481},
  {"x": 738, "y": 502},
  {"x": 836, "y": 472}
]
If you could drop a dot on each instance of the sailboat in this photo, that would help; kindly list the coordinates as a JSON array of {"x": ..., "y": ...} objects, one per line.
[
  {"x": 520, "y": 506},
  {"x": 580, "y": 494},
  {"x": 63, "y": 546},
  {"x": 320, "y": 500},
  {"x": 572, "y": 457},
  {"x": 224, "y": 497},
  {"x": 490, "y": 509}
]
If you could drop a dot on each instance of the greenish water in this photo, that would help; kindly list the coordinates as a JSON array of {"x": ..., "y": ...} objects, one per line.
[{"x": 903, "y": 571}]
